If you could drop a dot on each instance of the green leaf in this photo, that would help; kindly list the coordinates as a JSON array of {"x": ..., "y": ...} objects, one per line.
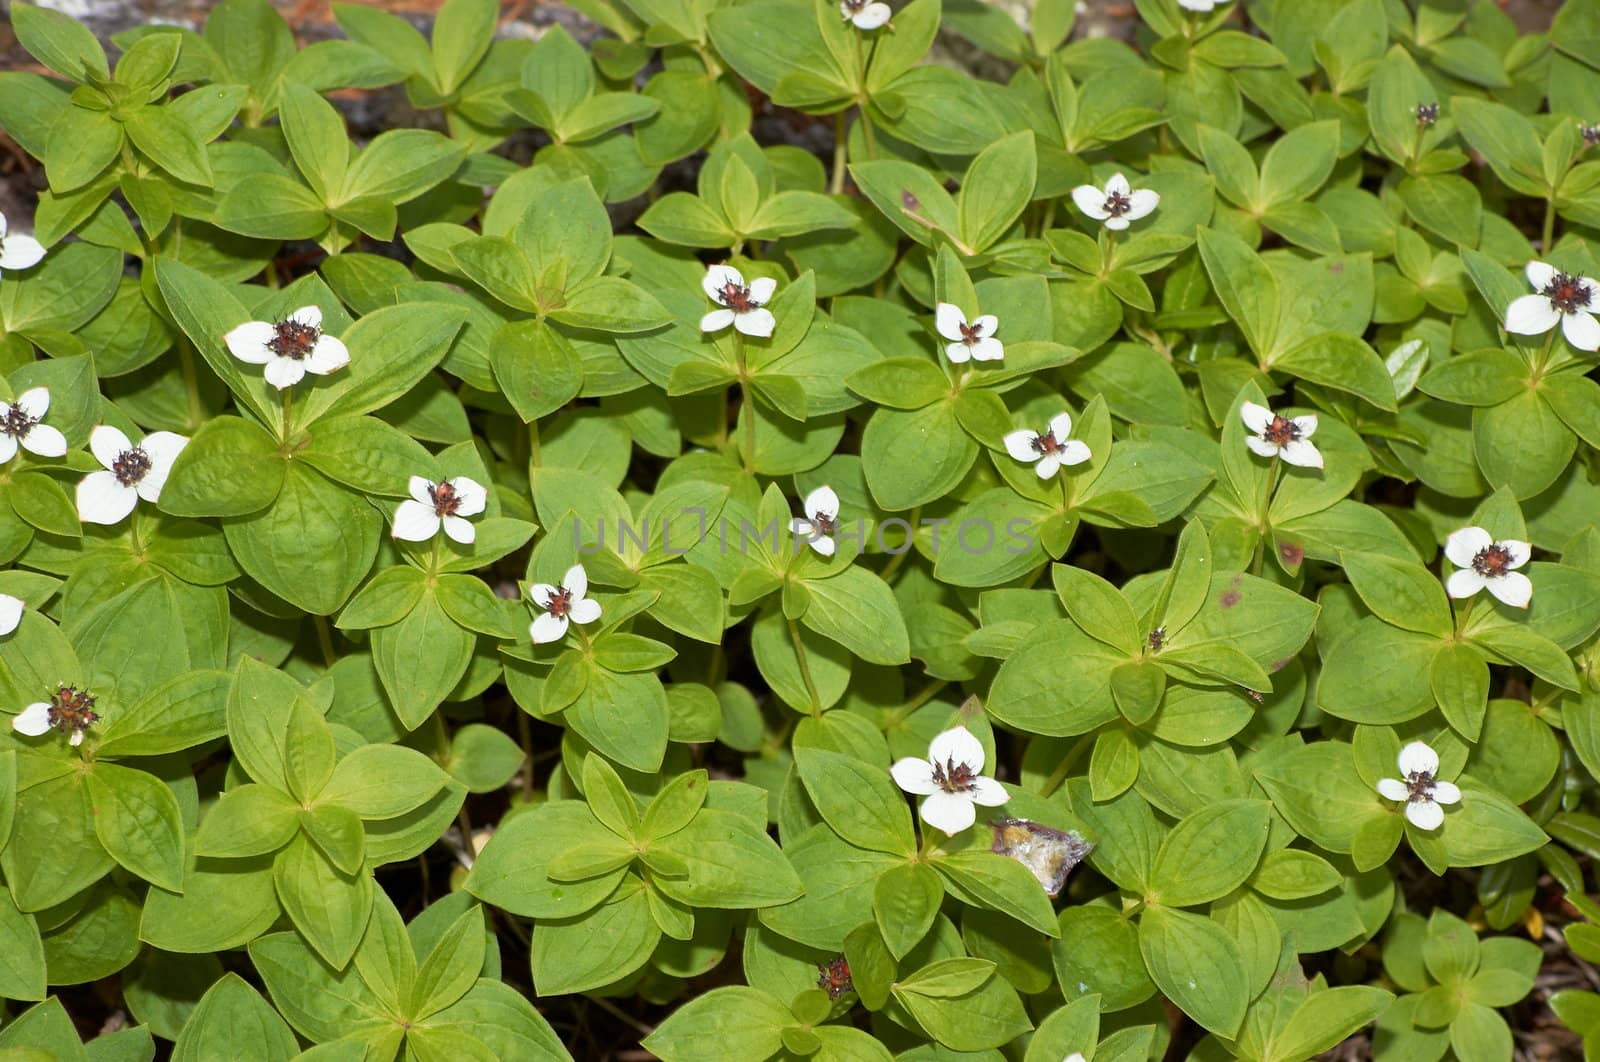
[
  {"x": 734, "y": 1020},
  {"x": 1196, "y": 963},
  {"x": 859, "y": 800},
  {"x": 1210, "y": 852},
  {"x": 136, "y": 818}
]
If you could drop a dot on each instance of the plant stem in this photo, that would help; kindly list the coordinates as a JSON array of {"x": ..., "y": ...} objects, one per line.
[
  {"x": 525, "y": 737},
  {"x": 841, "y": 144},
  {"x": 1547, "y": 234},
  {"x": 896, "y": 560},
  {"x": 325, "y": 639},
  {"x": 923, "y": 696},
  {"x": 1069, "y": 761},
  {"x": 191, "y": 384},
  {"x": 747, "y": 403},
  {"x": 286, "y": 396},
  {"x": 805, "y": 668},
  {"x": 867, "y": 134}
]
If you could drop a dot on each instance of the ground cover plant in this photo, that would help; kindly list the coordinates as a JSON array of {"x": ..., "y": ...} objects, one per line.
[{"x": 1096, "y": 562}]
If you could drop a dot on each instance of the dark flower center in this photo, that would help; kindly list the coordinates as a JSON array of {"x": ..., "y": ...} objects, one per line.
[
  {"x": 1046, "y": 444},
  {"x": 1282, "y": 431},
  {"x": 1427, "y": 114},
  {"x": 1492, "y": 561},
  {"x": 1590, "y": 134},
  {"x": 1157, "y": 639},
  {"x": 1118, "y": 204},
  {"x": 969, "y": 334},
  {"x": 825, "y": 523},
  {"x": 445, "y": 499},
  {"x": 856, "y": 7},
  {"x": 954, "y": 777},
  {"x": 1567, "y": 293},
  {"x": 72, "y": 709},
  {"x": 1419, "y": 786},
  {"x": 292, "y": 339},
  {"x": 833, "y": 977},
  {"x": 131, "y": 466},
  {"x": 560, "y": 602},
  {"x": 17, "y": 422},
  {"x": 737, "y": 298}
]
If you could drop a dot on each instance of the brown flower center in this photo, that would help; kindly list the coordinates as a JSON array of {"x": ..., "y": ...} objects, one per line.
[
  {"x": 560, "y": 602},
  {"x": 72, "y": 709},
  {"x": 1157, "y": 639},
  {"x": 833, "y": 977},
  {"x": 1281, "y": 432},
  {"x": 736, "y": 297},
  {"x": 1118, "y": 204},
  {"x": 131, "y": 466},
  {"x": 1427, "y": 114},
  {"x": 1046, "y": 444},
  {"x": 445, "y": 499},
  {"x": 824, "y": 523},
  {"x": 1567, "y": 293},
  {"x": 17, "y": 422},
  {"x": 954, "y": 777},
  {"x": 292, "y": 339},
  {"x": 1492, "y": 561},
  {"x": 1419, "y": 786}
]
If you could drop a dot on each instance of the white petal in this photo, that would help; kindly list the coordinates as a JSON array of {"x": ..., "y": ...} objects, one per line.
[
  {"x": 10, "y": 613},
  {"x": 102, "y": 499},
  {"x": 310, "y": 316},
  {"x": 1446, "y": 793},
  {"x": 1144, "y": 202},
  {"x": 585, "y": 611},
  {"x": 986, "y": 325},
  {"x": 1074, "y": 452},
  {"x": 45, "y": 441},
  {"x": 1581, "y": 330},
  {"x": 762, "y": 289},
  {"x": 948, "y": 319},
  {"x": 21, "y": 252},
  {"x": 958, "y": 353},
  {"x": 716, "y": 320},
  {"x": 957, "y": 745},
  {"x": 8, "y": 448},
  {"x": 990, "y": 349},
  {"x": 988, "y": 792},
  {"x": 541, "y": 593},
  {"x": 1531, "y": 315},
  {"x": 1048, "y": 466},
  {"x": 548, "y": 628},
  {"x": 1301, "y": 452},
  {"x": 950, "y": 812},
  {"x": 872, "y": 16},
  {"x": 823, "y": 544},
  {"x": 1513, "y": 588},
  {"x": 1539, "y": 274},
  {"x": 1307, "y": 425},
  {"x": 33, "y": 720},
  {"x": 420, "y": 489},
  {"x": 163, "y": 448},
  {"x": 913, "y": 775},
  {"x": 35, "y": 402},
  {"x": 76, "y": 739},
  {"x": 1256, "y": 417},
  {"x": 328, "y": 356},
  {"x": 1019, "y": 444},
  {"x": 1258, "y": 445},
  {"x": 758, "y": 323},
  {"x": 822, "y": 500},
  {"x": 2, "y": 226},
  {"x": 1417, "y": 757},
  {"x": 1463, "y": 583},
  {"x": 1464, "y": 545},
  {"x": 472, "y": 495},
  {"x": 576, "y": 580},
  {"x": 284, "y": 372},
  {"x": 1117, "y": 224},
  {"x": 1520, "y": 552},
  {"x": 1425, "y": 815},
  {"x": 457, "y": 529},
  {"x": 107, "y": 444},
  {"x": 415, "y": 522},
  {"x": 1393, "y": 789},
  {"x": 1061, "y": 426},
  {"x": 249, "y": 342},
  {"x": 1118, "y": 185},
  {"x": 1091, "y": 200},
  {"x": 718, "y": 277}
]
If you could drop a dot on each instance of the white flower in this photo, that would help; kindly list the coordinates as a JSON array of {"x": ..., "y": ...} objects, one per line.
[
  {"x": 1564, "y": 299},
  {"x": 563, "y": 603},
  {"x": 289, "y": 348},
  {"x": 16, "y": 250},
  {"x": 1487, "y": 564},
  {"x": 69, "y": 710},
  {"x": 1077, "y": 1056},
  {"x": 19, "y": 425},
  {"x": 131, "y": 472},
  {"x": 1279, "y": 436},
  {"x": 975, "y": 340},
  {"x": 442, "y": 504},
  {"x": 1117, "y": 203},
  {"x": 743, "y": 305},
  {"x": 866, "y": 14},
  {"x": 820, "y": 522},
  {"x": 1051, "y": 450},
  {"x": 951, "y": 780},
  {"x": 1417, "y": 786},
  {"x": 1202, "y": 6},
  {"x": 10, "y": 613}
]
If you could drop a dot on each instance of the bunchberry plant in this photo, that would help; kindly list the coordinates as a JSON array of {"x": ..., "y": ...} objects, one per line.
[{"x": 782, "y": 529}]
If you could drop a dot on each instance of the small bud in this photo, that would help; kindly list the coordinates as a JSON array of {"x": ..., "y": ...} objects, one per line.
[
  {"x": 1427, "y": 114},
  {"x": 1590, "y": 134}
]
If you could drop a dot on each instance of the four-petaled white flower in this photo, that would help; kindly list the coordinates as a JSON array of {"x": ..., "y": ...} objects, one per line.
[
  {"x": 443, "y": 504},
  {"x": 1280, "y": 436},
  {"x": 1417, "y": 786},
  {"x": 865, "y": 14},
  {"x": 743, "y": 305},
  {"x": 1202, "y": 6},
  {"x": 1488, "y": 565},
  {"x": 975, "y": 340},
  {"x": 289, "y": 348},
  {"x": 1051, "y": 450},
  {"x": 16, "y": 250},
  {"x": 131, "y": 472},
  {"x": 820, "y": 522},
  {"x": 562, "y": 604},
  {"x": 10, "y": 613},
  {"x": 69, "y": 710},
  {"x": 1117, "y": 204},
  {"x": 19, "y": 426},
  {"x": 1563, "y": 298},
  {"x": 952, "y": 780}
]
